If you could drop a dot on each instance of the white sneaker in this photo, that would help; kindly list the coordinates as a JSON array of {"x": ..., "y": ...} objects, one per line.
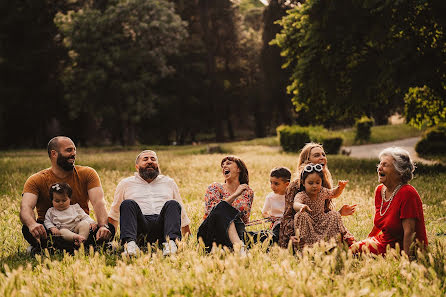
[
  {"x": 169, "y": 248},
  {"x": 30, "y": 250},
  {"x": 131, "y": 249},
  {"x": 243, "y": 252}
]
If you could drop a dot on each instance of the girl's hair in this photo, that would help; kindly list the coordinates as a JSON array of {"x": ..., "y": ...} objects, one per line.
[
  {"x": 305, "y": 174},
  {"x": 61, "y": 188},
  {"x": 243, "y": 176}
]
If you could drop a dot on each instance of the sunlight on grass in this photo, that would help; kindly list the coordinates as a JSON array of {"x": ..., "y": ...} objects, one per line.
[{"x": 192, "y": 272}]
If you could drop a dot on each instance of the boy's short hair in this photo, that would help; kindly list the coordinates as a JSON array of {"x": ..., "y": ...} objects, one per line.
[
  {"x": 281, "y": 172},
  {"x": 61, "y": 188}
]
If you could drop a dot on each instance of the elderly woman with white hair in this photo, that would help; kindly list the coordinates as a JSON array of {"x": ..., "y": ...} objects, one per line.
[{"x": 399, "y": 217}]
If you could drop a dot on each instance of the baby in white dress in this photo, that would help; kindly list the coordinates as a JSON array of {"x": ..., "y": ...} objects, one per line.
[{"x": 69, "y": 221}]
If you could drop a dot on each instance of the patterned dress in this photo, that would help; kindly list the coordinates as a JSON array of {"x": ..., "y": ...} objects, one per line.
[
  {"x": 215, "y": 193},
  {"x": 287, "y": 223},
  {"x": 316, "y": 225}
]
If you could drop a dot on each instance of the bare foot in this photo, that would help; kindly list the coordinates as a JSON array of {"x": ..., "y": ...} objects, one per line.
[{"x": 78, "y": 239}]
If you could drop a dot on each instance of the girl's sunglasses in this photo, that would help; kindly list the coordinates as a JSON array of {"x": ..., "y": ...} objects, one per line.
[{"x": 313, "y": 167}]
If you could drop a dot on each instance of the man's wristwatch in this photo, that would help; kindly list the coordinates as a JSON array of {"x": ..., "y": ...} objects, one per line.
[{"x": 105, "y": 226}]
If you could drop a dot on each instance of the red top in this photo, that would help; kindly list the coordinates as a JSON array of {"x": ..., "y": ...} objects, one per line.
[{"x": 405, "y": 205}]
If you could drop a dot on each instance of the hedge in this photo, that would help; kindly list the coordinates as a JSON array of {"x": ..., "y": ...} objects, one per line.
[
  {"x": 363, "y": 128},
  {"x": 433, "y": 141},
  {"x": 293, "y": 138}
]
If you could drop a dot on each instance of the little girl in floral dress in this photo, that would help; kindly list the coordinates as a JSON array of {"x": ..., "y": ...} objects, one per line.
[{"x": 311, "y": 223}]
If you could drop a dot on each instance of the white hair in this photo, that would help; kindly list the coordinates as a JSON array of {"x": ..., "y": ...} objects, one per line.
[
  {"x": 402, "y": 162},
  {"x": 143, "y": 152}
]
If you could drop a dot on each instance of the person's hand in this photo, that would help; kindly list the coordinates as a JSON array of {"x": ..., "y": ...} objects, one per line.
[
  {"x": 347, "y": 210},
  {"x": 38, "y": 231},
  {"x": 342, "y": 184},
  {"x": 185, "y": 231},
  {"x": 93, "y": 226},
  {"x": 55, "y": 231},
  {"x": 305, "y": 208},
  {"x": 103, "y": 233},
  {"x": 240, "y": 189}
]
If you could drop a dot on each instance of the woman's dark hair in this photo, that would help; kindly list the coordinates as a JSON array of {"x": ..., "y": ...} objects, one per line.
[
  {"x": 61, "y": 188},
  {"x": 244, "y": 175},
  {"x": 305, "y": 174}
]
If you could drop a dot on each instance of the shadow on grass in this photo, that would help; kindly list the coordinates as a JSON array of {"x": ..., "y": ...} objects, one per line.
[{"x": 23, "y": 259}]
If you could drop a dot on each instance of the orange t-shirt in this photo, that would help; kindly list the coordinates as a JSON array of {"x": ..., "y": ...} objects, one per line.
[{"x": 81, "y": 180}]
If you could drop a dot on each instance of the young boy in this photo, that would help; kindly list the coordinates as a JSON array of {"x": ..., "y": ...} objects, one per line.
[{"x": 275, "y": 201}]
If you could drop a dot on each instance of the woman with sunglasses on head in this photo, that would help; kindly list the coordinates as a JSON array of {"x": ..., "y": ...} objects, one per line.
[
  {"x": 311, "y": 153},
  {"x": 227, "y": 207},
  {"x": 399, "y": 218},
  {"x": 312, "y": 224}
]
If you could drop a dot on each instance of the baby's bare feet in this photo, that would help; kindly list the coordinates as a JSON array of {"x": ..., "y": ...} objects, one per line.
[{"x": 78, "y": 239}]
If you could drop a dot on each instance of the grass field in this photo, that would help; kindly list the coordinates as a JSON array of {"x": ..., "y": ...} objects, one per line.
[{"x": 192, "y": 272}]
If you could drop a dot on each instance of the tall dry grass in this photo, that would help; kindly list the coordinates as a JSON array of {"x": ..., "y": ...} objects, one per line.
[{"x": 192, "y": 272}]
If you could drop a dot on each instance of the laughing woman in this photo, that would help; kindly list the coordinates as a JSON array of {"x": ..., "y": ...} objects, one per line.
[
  {"x": 227, "y": 206},
  {"x": 399, "y": 217}
]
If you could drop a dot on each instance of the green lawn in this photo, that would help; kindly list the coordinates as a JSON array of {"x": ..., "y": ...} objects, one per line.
[
  {"x": 379, "y": 134},
  {"x": 383, "y": 134},
  {"x": 193, "y": 273}
]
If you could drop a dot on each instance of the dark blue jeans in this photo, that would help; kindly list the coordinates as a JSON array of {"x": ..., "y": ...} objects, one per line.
[{"x": 149, "y": 228}]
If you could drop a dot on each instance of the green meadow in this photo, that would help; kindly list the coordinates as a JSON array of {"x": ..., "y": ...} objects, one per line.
[{"x": 192, "y": 272}]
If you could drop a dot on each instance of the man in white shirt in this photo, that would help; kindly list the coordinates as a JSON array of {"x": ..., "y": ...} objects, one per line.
[{"x": 149, "y": 207}]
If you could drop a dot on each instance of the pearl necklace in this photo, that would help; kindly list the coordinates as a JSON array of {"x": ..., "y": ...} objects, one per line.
[{"x": 383, "y": 196}]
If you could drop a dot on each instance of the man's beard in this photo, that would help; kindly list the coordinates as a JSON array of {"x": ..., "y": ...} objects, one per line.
[
  {"x": 63, "y": 162},
  {"x": 147, "y": 173}
]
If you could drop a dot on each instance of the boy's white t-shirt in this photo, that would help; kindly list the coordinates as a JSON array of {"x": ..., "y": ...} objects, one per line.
[{"x": 274, "y": 205}]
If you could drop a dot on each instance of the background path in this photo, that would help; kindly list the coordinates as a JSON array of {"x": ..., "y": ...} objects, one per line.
[{"x": 372, "y": 150}]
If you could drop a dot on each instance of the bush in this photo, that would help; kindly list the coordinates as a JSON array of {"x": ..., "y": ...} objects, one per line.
[
  {"x": 293, "y": 138},
  {"x": 433, "y": 141},
  {"x": 332, "y": 145},
  {"x": 363, "y": 128}
]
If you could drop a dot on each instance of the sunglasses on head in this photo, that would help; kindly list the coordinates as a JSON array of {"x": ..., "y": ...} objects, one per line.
[{"x": 313, "y": 167}]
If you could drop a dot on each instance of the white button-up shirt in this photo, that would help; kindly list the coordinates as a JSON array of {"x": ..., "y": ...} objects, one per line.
[{"x": 150, "y": 197}]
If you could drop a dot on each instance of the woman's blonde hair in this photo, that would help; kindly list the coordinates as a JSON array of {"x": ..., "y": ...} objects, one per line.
[{"x": 304, "y": 158}]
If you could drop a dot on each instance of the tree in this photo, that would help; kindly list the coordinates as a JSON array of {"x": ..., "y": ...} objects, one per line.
[
  {"x": 424, "y": 107},
  {"x": 29, "y": 86},
  {"x": 220, "y": 38},
  {"x": 117, "y": 57},
  {"x": 350, "y": 58},
  {"x": 276, "y": 107}
]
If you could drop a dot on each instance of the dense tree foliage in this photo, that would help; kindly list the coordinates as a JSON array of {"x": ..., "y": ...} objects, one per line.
[
  {"x": 117, "y": 58},
  {"x": 163, "y": 71},
  {"x": 424, "y": 107},
  {"x": 349, "y": 58},
  {"x": 276, "y": 78}
]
